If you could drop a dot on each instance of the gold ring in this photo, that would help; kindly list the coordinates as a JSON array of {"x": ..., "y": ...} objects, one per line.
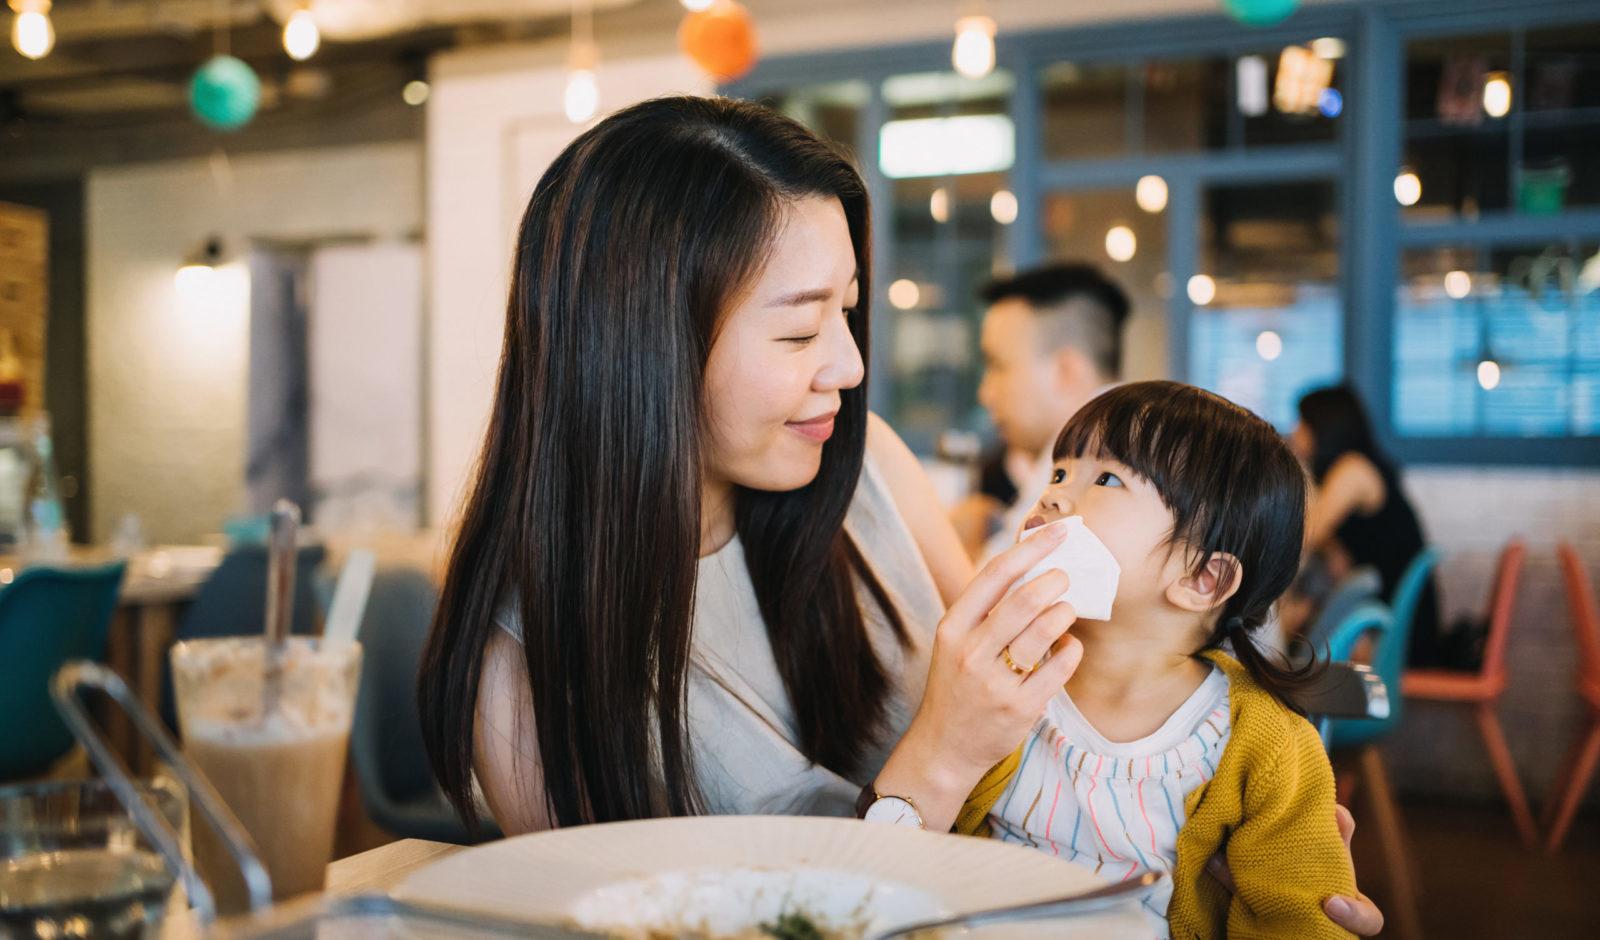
[{"x": 1023, "y": 671}]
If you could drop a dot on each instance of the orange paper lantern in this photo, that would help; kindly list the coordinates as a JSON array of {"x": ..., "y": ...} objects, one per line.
[{"x": 720, "y": 39}]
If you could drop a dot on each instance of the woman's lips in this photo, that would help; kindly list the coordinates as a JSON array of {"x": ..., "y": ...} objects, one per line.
[{"x": 817, "y": 429}]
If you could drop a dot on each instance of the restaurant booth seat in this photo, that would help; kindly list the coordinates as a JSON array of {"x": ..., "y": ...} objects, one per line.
[
  {"x": 1578, "y": 769},
  {"x": 386, "y": 749},
  {"x": 48, "y": 616}
]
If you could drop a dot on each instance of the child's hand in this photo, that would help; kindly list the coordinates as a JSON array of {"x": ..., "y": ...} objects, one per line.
[{"x": 1358, "y": 914}]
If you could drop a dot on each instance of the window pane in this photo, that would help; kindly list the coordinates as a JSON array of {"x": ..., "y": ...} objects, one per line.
[
  {"x": 1085, "y": 110},
  {"x": 1562, "y": 104},
  {"x": 1503, "y": 342},
  {"x": 831, "y": 109},
  {"x": 1266, "y": 325},
  {"x": 1459, "y": 151},
  {"x": 1078, "y": 227},
  {"x": 949, "y": 237}
]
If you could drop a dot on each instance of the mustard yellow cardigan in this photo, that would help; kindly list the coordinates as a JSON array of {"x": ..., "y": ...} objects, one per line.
[{"x": 1270, "y": 807}]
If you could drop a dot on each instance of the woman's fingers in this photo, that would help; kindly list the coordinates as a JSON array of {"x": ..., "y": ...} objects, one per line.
[
  {"x": 1054, "y": 672},
  {"x": 1010, "y": 618},
  {"x": 991, "y": 584},
  {"x": 1029, "y": 648}
]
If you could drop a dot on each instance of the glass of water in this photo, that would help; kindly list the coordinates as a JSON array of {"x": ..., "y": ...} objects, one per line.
[{"x": 74, "y": 864}]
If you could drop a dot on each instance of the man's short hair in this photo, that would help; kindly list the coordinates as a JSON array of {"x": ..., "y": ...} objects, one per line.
[{"x": 1077, "y": 306}]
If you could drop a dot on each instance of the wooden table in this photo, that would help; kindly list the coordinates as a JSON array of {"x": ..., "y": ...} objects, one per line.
[{"x": 384, "y": 867}]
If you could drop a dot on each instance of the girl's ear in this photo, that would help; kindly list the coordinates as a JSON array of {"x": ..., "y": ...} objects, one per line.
[{"x": 1210, "y": 587}]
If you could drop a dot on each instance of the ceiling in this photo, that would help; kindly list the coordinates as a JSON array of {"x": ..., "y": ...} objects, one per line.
[{"x": 115, "y": 86}]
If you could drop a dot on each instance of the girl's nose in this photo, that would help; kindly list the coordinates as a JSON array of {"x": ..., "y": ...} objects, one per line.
[{"x": 1057, "y": 500}]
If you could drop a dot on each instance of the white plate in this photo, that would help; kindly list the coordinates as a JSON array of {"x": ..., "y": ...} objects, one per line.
[{"x": 734, "y": 872}]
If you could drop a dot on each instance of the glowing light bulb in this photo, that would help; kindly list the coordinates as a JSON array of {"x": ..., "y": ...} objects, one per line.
[
  {"x": 1121, "y": 244},
  {"x": 973, "y": 52},
  {"x": 1407, "y": 188},
  {"x": 582, "y": 97},
  {"x": 1151, "y": 193},
  {"x": 416, "y": 93},
  {"x": 1269, "y": 345},
  {"x": 1497, "y": 95},
  {"x": 1202, "y": 289},
  {"x": 695, "y": 6},
  {"x": 301, "y": 36},
  {"x": 904, "y": 294},
  {"x": 1458, "y": 284},
  {"x": 32, "y": 33},
  {"x": 939, "y": 205},
  {"x": 1003, "y": 206},
  {"x": 1488, "y": 374}
]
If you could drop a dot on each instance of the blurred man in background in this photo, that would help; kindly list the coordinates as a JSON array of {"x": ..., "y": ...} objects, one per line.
[{"x": 1052, "y": 340}]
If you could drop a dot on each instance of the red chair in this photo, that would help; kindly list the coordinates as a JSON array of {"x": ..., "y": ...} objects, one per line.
[
  {"x": 1578, "y": 769},
  {"x": 1482, "y": 689}
]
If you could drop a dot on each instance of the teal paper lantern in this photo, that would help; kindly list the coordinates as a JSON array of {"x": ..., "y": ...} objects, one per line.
[
  {"x": 1260, "y": 12},
  {"x": 225, "y": 93}
]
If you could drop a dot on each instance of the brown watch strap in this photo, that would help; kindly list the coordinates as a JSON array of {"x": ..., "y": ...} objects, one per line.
[{"x": 864, "y": 801}]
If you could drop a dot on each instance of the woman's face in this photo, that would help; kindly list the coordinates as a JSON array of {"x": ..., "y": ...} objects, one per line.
[
  {"x": 783, "y": 354},
  {"x": 1302, "y": 443}
]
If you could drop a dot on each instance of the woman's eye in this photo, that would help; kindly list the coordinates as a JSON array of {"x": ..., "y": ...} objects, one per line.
[
  {"x": 1058, "y": 475},
  {"x": 1107, "y": 479},
  {"x": 800, "y": 340}
]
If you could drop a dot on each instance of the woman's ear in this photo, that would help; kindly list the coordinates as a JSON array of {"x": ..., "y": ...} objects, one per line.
[{"x": 1210, "y": 587}]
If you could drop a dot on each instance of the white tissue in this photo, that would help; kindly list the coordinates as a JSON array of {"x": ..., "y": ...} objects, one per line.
[{"x": 1087, "y": 562}]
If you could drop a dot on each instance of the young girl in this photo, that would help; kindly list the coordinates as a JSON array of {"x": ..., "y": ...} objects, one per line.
[{"x": 1163, "y": 749}]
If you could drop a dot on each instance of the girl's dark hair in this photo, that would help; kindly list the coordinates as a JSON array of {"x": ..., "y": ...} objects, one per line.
[
  {"x": 1233, "y": 487},
  {"x": 584, "y": 511},
  {"x": 1338, "y": 424}
]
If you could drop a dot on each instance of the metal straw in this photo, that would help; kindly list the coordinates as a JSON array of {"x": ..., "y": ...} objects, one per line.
[{"x": 280, "y": 600}]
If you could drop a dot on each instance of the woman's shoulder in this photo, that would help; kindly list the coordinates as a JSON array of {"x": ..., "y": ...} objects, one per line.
[{"x": 893, "y": 480}]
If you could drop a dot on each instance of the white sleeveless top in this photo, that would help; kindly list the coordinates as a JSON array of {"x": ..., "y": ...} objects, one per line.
[{"x": 741, "y": 726}]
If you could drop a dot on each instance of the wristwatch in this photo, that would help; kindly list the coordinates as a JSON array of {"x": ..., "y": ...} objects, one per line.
[{"x": 880, "y": 808}]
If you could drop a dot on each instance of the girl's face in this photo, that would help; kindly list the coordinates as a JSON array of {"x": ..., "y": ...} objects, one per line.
[
  {"x": 782, "y": 355},
  {"x": 1126, "y": 513}
]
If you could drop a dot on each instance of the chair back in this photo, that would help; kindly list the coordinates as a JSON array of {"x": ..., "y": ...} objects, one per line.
[
  {"x": 1583, "y": 609},
  {"x": 386, "y": 748},
  {"x": 1502, "y": 603},
  {"x": 1408, "y": 594},
  {"x": 1391, "y": 638},
  {"x": 1361, "y": 586},
  {"x": 48, "y": 616}
]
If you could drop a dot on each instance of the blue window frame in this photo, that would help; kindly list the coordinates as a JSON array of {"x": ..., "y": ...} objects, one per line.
[{"x": 1355, "y": 321}]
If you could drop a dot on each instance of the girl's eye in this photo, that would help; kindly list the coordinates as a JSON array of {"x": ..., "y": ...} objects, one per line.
[
  {"x": 1107, "y": 479},
  {"x": 1058, "y": 475}
]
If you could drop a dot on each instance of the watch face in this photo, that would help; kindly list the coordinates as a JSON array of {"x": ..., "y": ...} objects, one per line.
[{"x": 894, "y": 811}]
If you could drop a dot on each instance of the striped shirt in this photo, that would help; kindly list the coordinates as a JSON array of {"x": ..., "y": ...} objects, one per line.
[{"x": 1114, "y": 808}]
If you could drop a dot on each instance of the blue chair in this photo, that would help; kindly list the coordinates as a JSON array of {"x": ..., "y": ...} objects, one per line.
[
  {"x": 386, "y": 748},
  {"x": 47, "y": 617},
  {"x": 233, "y": 602},
  {"x": 1360, "y": 586}
]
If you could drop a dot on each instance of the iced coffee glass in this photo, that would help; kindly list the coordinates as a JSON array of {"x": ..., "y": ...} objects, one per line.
[{"x": 277, "y": 765}]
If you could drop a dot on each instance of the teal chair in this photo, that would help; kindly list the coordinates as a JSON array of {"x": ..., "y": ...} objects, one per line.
[
  {"x": 1391, "y": 630},
  {"x": 47, "y": 617}
]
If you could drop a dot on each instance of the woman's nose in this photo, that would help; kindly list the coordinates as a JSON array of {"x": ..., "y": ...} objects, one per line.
[{"x": 843, "y": 367}]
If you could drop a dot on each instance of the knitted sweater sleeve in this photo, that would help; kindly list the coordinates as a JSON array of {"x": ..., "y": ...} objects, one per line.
[
  {"x": 973, "y": 820},
  {"x": 1286, "y": 855}
]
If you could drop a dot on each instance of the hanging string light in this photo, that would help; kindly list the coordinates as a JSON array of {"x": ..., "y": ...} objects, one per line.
[
  {"x": 973, "y": 51},
  {"x": 300, "y": 34},
  {"x": 32, "y": 33},
  {"x": 582, "y": 96}
]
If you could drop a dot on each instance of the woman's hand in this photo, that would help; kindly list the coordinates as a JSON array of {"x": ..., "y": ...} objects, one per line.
[
  {"x": 1356, "y": 914},
  {"x": 977, "y": 708}
]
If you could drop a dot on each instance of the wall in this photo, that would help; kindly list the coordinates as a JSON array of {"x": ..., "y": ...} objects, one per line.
[
  {"x": 168, "y": 375},
  {"x": 1470, "y": 514},
  {"x": 494, "y": 123}
]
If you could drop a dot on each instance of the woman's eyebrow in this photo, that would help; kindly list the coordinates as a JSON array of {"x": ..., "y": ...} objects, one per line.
[{"x": 800, "y": 298}]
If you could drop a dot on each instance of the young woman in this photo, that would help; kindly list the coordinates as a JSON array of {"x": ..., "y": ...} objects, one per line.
[
  {"x": 1359, "y": 515},
  {"x": 693, "y": 574}
]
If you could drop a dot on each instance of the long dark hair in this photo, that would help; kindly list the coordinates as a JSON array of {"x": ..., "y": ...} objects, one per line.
[
  {"x": 584, "y": 513},
  {"x": 1233, "y": 486},
  {"x": 1338, "y": 424}
]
